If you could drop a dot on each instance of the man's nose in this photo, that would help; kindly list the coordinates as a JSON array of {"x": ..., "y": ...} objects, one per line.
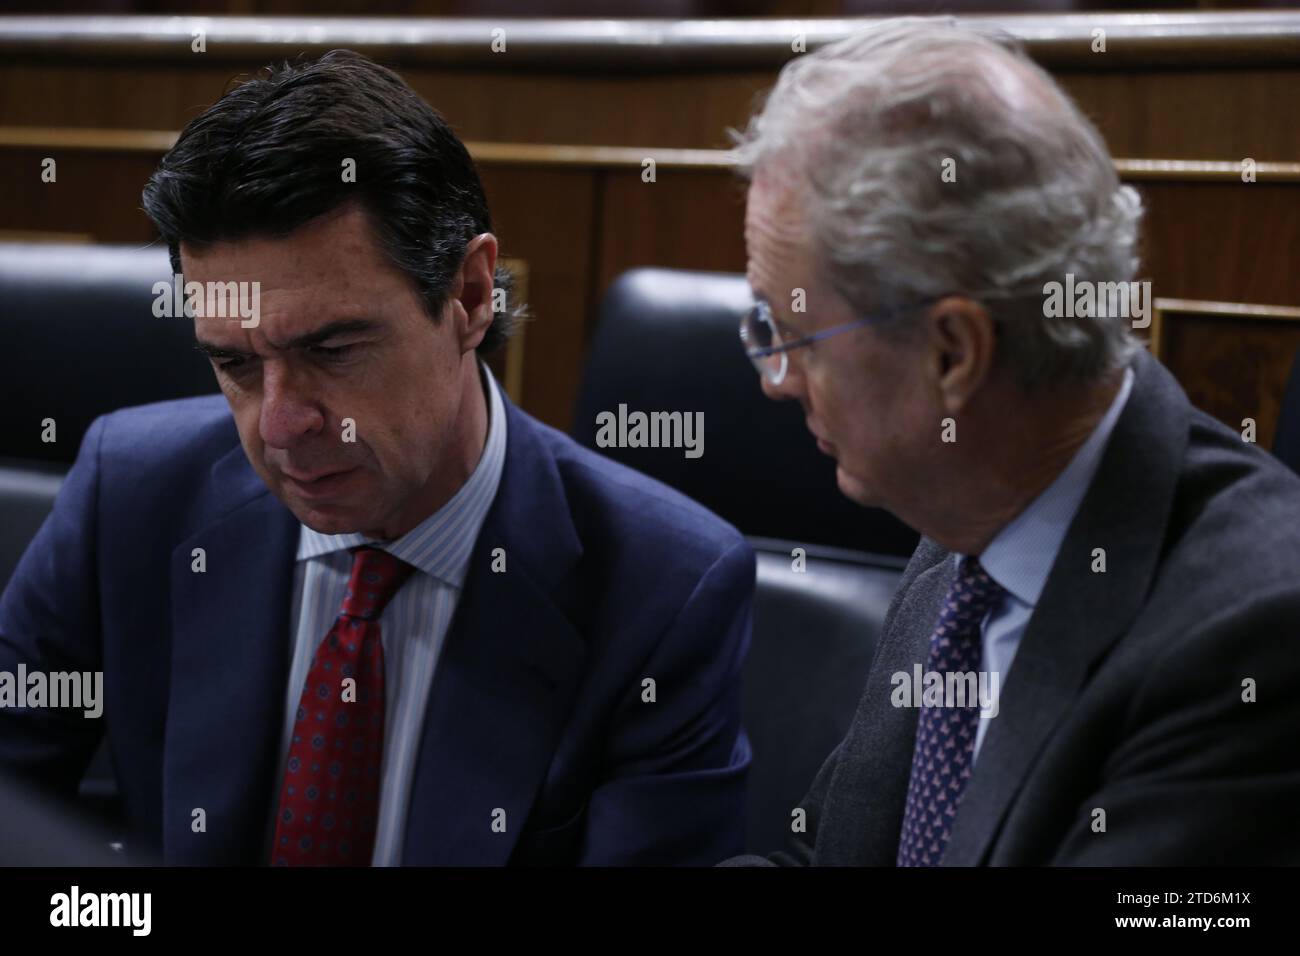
[
  {"x": 791, "y": 386},
  {"x": 289, "y": 410}
]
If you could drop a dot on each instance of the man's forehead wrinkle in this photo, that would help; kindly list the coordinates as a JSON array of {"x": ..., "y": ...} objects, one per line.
[
  {"x": 307, "y": 306},
  {"x": 316, "y": 260},
  {"x": 776, "y": 228},
  {"x": 266, "y": 337},
  {"x": 767, "y": 247}
]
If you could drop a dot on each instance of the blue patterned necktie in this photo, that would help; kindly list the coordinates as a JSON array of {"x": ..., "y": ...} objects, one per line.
[{"x": 945, "y": 736}]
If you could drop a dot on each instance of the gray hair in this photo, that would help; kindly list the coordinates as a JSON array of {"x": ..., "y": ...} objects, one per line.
[{"x": 866, "y": 125}]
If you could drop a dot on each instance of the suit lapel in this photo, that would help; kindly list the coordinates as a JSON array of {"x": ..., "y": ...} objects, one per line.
[
  {"x": 1081, "y": 614},
  {"x": 508, "y": 671},
  {"x": 229, "y": 666},
  {"x": 869, "y": 789}
]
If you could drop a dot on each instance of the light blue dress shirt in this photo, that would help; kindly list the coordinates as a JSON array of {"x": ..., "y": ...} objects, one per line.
[
  {"x": 1021, "y": 556},
  {"x": 413, "y": 626}
]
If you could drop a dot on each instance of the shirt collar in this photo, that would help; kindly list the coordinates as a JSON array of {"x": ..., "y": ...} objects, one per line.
[
  {"x": 440, "y": 545},
  {"x": 1021, "y": 555}
]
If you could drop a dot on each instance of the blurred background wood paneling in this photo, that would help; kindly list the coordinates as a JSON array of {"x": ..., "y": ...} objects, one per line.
[
  {"x": 561, "y": 123},
  {"x": 1234, "y": 360}
]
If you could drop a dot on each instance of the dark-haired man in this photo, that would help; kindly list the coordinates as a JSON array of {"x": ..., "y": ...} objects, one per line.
[{"x": 365, "y": 610}]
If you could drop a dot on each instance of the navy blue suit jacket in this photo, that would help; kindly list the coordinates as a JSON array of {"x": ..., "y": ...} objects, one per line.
[{"x": 537, "y": 704}]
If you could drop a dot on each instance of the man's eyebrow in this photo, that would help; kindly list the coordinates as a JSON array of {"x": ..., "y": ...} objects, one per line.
[
  {"x": 331, "y": 329},
  {"x": 315, "y": 337},
  {"x": 213, "y": 351}
]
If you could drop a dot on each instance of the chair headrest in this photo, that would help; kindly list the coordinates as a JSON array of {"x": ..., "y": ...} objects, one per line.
[
  {"x": 668, "y": 341},
  {"x": 82, "y": 340}
]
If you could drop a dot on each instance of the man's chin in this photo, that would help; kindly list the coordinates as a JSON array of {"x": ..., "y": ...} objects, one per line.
[
  {"x": 856, "y": 490},
  {"x": 322, "y": 524},
  {"x": 326, "y": 518}
]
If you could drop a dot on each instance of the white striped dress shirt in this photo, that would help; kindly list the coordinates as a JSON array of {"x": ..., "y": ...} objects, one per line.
[{"x": 413, "y": 625}]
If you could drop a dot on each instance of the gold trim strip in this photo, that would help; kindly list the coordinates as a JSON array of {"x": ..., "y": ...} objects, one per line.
[
  {"x": 1245, "y": 310},
  {"x": 613, "y": 157}
]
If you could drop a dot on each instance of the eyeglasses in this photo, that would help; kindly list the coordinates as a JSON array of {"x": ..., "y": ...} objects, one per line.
[{"x": 770, "y": 355}]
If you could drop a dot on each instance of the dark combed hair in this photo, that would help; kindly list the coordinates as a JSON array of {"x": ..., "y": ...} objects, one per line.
[{"x": 268, "y": 157}]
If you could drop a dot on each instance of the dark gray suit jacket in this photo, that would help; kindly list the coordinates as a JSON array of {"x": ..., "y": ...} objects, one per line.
[{"x": 1126, "y": 694}]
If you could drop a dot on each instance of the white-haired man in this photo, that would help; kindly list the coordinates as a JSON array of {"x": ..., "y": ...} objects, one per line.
[{"x": 1092, "y": 655}]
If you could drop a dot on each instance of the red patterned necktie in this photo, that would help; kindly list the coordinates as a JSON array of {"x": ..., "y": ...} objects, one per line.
[{"x": 329, "y": 800}]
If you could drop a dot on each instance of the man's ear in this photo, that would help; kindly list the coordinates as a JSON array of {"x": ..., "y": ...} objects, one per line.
[
  {"x": 472, "y": 290},
  {"x": 961, "y": 340}
]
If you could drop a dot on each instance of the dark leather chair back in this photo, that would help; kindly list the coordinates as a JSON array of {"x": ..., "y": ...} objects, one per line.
[
  {"x": 668, "y": 341},
  {"x": 82, "y": 340},
  {"x": 815, "y": 632}
]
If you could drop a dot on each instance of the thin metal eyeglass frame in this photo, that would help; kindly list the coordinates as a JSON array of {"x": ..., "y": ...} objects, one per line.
[{"x": 762, "y": 352}]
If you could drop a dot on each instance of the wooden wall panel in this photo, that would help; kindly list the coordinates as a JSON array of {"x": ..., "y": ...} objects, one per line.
[
  {"x": 96, "y": 192},
  {"x": 1230, "y": 242},
  {"x": 1233, "y": 369},
  {"x": 546, "y": 218},
  {"x": 1178, "y": 85},
  {"x": 677, "y": 110},
  {"x": 686, "y": 110},
  {"x": 86, "y": 93},
  {"x": 686, "y": 219},
  {"x": 1181, "y": 115},
  {"x": 1193, "y": 114}
]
